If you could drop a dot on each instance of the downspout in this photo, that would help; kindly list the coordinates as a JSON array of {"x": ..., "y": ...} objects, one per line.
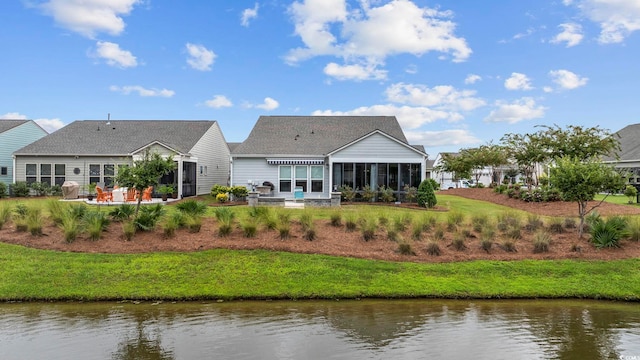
[{"x": 13, "y": 170}]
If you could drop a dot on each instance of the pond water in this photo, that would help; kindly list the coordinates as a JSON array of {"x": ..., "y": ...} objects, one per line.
[{"x": 367, "y": 329}]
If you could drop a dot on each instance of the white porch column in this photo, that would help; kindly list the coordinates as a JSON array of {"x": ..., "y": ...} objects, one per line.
[{"x": 180, "y": 171}]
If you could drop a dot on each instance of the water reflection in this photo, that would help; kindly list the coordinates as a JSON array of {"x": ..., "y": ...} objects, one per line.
[{"x": 377, "y": 329}]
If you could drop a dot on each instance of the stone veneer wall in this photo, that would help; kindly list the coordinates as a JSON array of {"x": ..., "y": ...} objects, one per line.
[{"x": 255, "y": 199}]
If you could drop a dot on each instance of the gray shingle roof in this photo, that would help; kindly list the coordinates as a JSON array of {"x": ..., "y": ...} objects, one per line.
[
  {"x": 312, "y": 135},
  {"x": 118, "y": 137},
  {"x": 6, "y": 125},
  {"x": 629, "y": 138}
]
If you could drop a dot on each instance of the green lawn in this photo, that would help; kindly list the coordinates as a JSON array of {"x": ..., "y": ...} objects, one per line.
[{"x": 616, "y": 199}]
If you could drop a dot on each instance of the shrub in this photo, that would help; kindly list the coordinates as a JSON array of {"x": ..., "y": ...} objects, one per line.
[
  {"x": 3, "y": 190},
  {"x": 40, "y": 188},
  {"x": 368, "y": 194},
  {"x": 386, "y": 194},
  {"x": 541, "y": 241},
  {"x": 608, "y": 232},
  {"x": 194, "y": 207},
  {"x": 239, "y": 192},
  {"x": 219, "y": 189},
  {"x": 426, "y": 195},
  {"x": 433, "y": 248},
  {"x": 631, "y": 192},
  {"x": 122, "y": 212},
  {"x": 56, "y": 190},
  {"x": 348, "y": 194},
  {"x": 404, "y": 248},
  {"x": 21, "y": 210},
  {"x": 411, "y": 193},
  {"x": 336, "y": 218},
  {"x": 222, "y": 198},
  {"x": 129, "y": 230},
  {"x": 20, "y": 189},
  {"x": 148, "y": 217}
]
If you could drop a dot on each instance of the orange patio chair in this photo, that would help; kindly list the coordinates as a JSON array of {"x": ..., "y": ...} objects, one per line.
[
  {"x": 103, "y": 196},
  {"x": 146, "y": 193},
  {"x": 132, "y": 195}
]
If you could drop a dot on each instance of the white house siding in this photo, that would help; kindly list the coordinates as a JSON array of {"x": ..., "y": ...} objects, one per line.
[
  {"x": 213, "y": 155},
  {"x": 15, "y": 139},
  {"x": 257, "y": 171},
  {"x": 71, "y": 162}
]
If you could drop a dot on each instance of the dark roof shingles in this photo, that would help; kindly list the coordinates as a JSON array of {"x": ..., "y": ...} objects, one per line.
[{"x": 6, "y": 125}]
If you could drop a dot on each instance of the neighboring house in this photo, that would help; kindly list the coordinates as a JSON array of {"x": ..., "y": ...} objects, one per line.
[
  {"x": 446, "y": 179},
  {"x": 629, "y": 154},
  {"x": 15, "y": 134},
  {"x": 91, "y": 151},
  {"x": 319, "y": 154}
]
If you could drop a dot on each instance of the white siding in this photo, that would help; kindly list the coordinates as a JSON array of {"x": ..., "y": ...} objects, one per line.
[
  {"x": 377, "y": 148},
  {"x": 211, "y": 151}
]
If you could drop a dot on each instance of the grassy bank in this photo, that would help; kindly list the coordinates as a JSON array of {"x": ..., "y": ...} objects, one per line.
[{"x": 28, "y": 274}]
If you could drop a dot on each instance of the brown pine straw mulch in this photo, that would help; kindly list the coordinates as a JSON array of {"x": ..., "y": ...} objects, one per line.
[{"x": 338, "y": 241}]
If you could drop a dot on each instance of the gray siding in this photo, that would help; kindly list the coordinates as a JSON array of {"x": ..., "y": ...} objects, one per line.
[
  {"x": 211, "y": 151},
  {"x": 71, "y": 162},
  {"x": 258, "y": 171},
  {"x": 377, "y": 148},
  {"x": 15, "y": 139}
]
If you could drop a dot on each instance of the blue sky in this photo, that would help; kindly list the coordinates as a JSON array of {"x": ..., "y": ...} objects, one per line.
[{"x": 456, "y": 73}]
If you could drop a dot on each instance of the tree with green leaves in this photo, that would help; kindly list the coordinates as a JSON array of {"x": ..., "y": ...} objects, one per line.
[
  {"x": 145, "y": 172},
  {"x": 426, "y": 195},
  {"x": 526, "y": 151},
  {"x": 580, "y": 181},
  {"x": 458, "y": 166},
  {"x": 578, "y": 142}
]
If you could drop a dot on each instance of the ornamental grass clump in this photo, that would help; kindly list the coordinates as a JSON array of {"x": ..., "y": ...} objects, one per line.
[
  {"x": 350, "y": 221},
  {"x": 78, "y": 210},
  {"x": 70, "y": 227},
  {"x": 507, "y": 220},
  {"x": 284, "y": 229},
  {"x": 438, "y": 232},
  {"x": 433, "y": 248},
  {"x": 428, "y": 221},
  {"x": 368, "y": 228},
  {"x": 249, "y": 227},
  {"x": 35, "y": 221},
  {"x": 404, "y": 248},
  {"x": 534, "y": 222},
  {"x": 416, "y": 230},
  {"x": 172, "y": 223},
  {"x": 193, "y": 223},
  {"x": 454, "y": 219},
  {"x": 570, "y": 223},
  {"x": 225, "y": 217},
  {"x": 94, "y": 223},
  {"x": 458, "y": 241},
  {"x": 393, "y": 235},
  {"x": 556, "y": 226},
  {"x": 129, "y": 230},
  {"x": 633, "y": 229},
  {"x": 541, "y": 242},
  {"x": 56, "y": 210},
  {"x": 509, "y": 245},
  {"x": 401, "y": 221},
  {"x": 5, "y": 214},
  {"x": 478, "y": 221},
  {"x": 336, "y": 219}
]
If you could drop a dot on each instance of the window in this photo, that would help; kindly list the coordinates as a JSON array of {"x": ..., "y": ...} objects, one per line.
[
  {"x": 285, "y": 178},
  {"x": 109, "y": 173},
  {"x": 348, "y": 175},
  {"x": 201, "y": 170},
  {"x": 301, "y": 177},
  {"x": 31, "y": 171},
  {"x": 60, "y": 172},
  {"x": 45, "y": 174},
  {"x": 94, "y": 173},
  {"x": 4, "y": 170},
  {"x": 317, "y": 178}
]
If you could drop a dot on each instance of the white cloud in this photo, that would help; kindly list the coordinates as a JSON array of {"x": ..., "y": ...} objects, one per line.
[
  {"x": 369, "y": 34},
  {"x": 442, "y": 97},
  {"x": 547, "y": 89},
  {"x": 617, "y": 18},
  {"x": 115, "y": 56},
  {"x": 200, "y": 58},
  {"x": 218, "y": 101},
  {"x": 354, "y": 72},
  {"x": 126, "y": 90},
  {"x": 472, "y": 79},
  {"x": 457, "y": 137},
  {"x": 249, "y": 14},
  {"x": 567, "y": 79},
  {"x": 89, "y": 17},
  {"x": 409, "y": 117},
  {"x": 268, "y": 104},
  {"x": 518, "y": 81},
  {"x": 49, "y": 125},
  {"x": 519, "y": 110},
  {"x": 571, "y": 34}
]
